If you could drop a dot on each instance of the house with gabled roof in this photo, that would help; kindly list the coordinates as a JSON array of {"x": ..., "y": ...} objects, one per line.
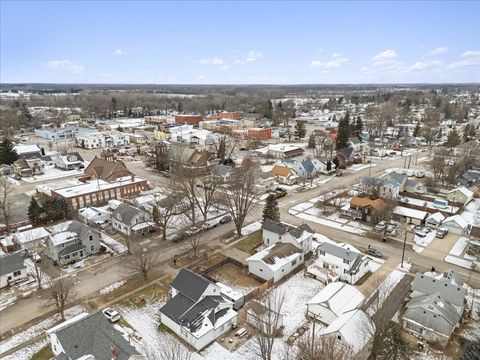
[
  {"x": 456, "y": 224},
  {"x": 274, "y": 232},
  {"x": 90, "y": 336},
  {"x": 344, "y": 260},
  {"x": 460, "y": 195},
  {"x": 130, "y": 220},
  {"x": 197, "y": 312},
  {"x": 435, "y": 307},
  {"x": 68, "y": 161},
  {"x": 12, "y": 269},
  {"x": 365, "y": 209},
  {"x": 106, "y": 170},
  {"x": 284, "y": 174}
]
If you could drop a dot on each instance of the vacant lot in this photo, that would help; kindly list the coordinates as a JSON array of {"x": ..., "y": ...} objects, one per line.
[
  {"x": 249, "y": 242},
  {"x": 235, "y": 276}
]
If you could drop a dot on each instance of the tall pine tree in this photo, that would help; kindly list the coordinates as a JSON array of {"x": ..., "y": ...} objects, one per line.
[
  {"x": 300, "y": 130},
  {"x": 343, "y": 133},
  {"x": 359, "y": 125},
  {"x": 34, "y": 212},
  {"x": 271, "y": 211},
  {"x": 8, "y": 155}
]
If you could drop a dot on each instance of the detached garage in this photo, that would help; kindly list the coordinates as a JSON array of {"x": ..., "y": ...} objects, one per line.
[
  {"x": 408, "y": 215},
  {"x": 456, "y": 224}
]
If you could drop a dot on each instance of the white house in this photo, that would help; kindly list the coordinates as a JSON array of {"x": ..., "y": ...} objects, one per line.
[
  {"x": 333, "y": 301},
  {"x": 344, "y": 260},
  {"x": 12, "y": 269},
  {"x": 94, "y": 215},
  {"x": 31, "y": 239},
  {"x": 456, "y": 224},
  {"x": 68, "y": 161},
  {"x": 131, "y": 220},
  {"x": 276, "y": 261},
  {"x": 196, "y": 311},
  {"x": 354, "y": 330},
  {"x": 90, "y": 140},
  {"x": 461, "y": 195},
  {"x": 274, "y": 232},
  {"x": 434, "y": 221}
]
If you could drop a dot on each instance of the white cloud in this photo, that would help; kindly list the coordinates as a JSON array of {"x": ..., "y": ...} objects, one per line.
[
  {"x": 119, "y": 52},
  {"x": 251, "y": 56},
  {"x": 385, "y": 56},
  {"x": 201, "y": 77},
  {"x": 337, "y": 61},
  {"x": 64, "y": 66},
  {"x": 427, "y": 65},
  {"x": 213, "y": 61},
  {"x": 224, "y": 67},
  {"x": 437, "y": 51},
  {"x": 470, "y": 54}
]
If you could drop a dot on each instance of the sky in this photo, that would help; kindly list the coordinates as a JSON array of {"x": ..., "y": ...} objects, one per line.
[{"x": 249, "y": 42}]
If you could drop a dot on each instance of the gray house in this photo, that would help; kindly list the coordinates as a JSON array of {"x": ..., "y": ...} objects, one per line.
[
  {"x": 435, "y": 307},
  {"x": 71, "y": 241},
  {"x": 12, "y": 269},
  {"x": 90, "y": 336}
]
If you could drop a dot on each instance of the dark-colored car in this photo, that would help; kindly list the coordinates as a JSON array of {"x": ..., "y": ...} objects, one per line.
[
  {"x": 433, "y": 190},
  {"x": 225, "y": 219},
  {"x": 280, "y": 194},
  {"x": 374, "y": 252}
]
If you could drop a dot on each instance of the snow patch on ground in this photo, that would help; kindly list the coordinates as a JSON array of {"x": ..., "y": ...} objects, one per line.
[
  {"x": 332, "y": 224},
  {"x": 459, "y": 247},
  {"x": 406, "y": 266},
  {"x": 108, "y": 289},
  {"x": 7, "y": 298},
  {"x": 358, "y": 167},
  {"x": 246, "y": 230},
  {"x": 27, "y": 352},
  {"x": 385, "y": 288},
  {"x": 422, "y": 242},
  {"x": 112, "y": 244},
  {"x": 38, "y": 329},
  {"x": 467, "y": 264}
]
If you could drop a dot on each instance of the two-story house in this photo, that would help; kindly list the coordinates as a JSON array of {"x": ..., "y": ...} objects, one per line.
[
  {"x": 380, "y": 187},
  {"x": 341, "y": 262},
  {"x": 68, "y": 161},
  {"x": 196, "y": 311},
  {"x": 12, "y": 269},
  {"x": 130, "y": 220},
  {"x": 28, "y": 167},
  {"x": 274, "y": 232},
  {"x": 365, "y": 209},
  {"x": 71, "y": 241}
]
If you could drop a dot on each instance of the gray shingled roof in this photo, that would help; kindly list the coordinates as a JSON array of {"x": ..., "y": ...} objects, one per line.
[
  {"x": 94, "y": 335},
  {"x": 11, "y": 263},
  {"x": 190, "y": 284},
  {"x": 281, "y": 228},
  {"x": 80, "y": 229},
  {"x": 125, "y": 213},
  {"x": 71, "y": 248},
  {"x": 452, "y": 293},
  {"x": 338, "y": 251}
]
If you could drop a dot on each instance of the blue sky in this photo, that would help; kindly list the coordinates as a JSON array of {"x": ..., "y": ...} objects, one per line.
[{"x": 240, "y": 42}]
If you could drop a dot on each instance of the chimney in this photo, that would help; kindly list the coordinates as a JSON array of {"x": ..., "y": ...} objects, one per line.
[{"x": 114, "y": 352}]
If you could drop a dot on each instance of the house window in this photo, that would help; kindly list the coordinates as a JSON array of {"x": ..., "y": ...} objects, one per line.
[
  {"x": 66, "y": 257},
  {"x": 90, "y": 237},
  {"x": 322, "y": 252},
  {"x": 294, "y": 262},
  {"x": 346, "y": 261},
  {"x": 345, "y": 271},
  {"x": 16, "y": 273},
  {"x": 81, "y": 253},
  {"x": 92, "y": 247},
  {"x": 74, "y": 254}
]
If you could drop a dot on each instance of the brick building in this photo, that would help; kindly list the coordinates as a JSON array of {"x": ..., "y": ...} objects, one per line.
[
  {"x": 259, "y": 134},
  {"x": 188, "y": 119}
]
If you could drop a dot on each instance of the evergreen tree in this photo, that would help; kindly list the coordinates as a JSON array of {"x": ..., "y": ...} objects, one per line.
[
  {"x": 359, "y": 125},
  {"x": 343, "y": 133},
  {"x": 329, "y": 165},
  {"x": 34, "y": 212},
  {"x": 453, "y": 139},
  {"x": 312, "y": 141},
  {"x": 8, "y": 155},
  {"x": 300, "y": 130},
  {"x": 271, "y": 211},
  {"x": 416, "y": 131},
  {"x": 466, "y": 132}
]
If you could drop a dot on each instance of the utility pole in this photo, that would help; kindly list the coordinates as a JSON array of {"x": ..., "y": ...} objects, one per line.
[
  {"x": 409, "y": 160},
  {"x": 404, "y": 244}
]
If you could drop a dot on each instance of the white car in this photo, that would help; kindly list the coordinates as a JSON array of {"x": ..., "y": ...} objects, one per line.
[{"x": 111, "y": 314}]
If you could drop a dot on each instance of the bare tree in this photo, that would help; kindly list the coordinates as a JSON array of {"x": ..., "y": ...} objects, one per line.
[
  {"x": 165, "y": 210},
  {"x": 185, "y": 181},
  {"x": 142, "y": 263},
  {"x": 5, "y": 200},
  {"x": 240, "y": 192},
  {"x": 322, "y": 347},
  {"x": 193, "y": 243},
  {"x": 130, "y": 240},
  {"x": 437, "y": 164},
  {"x": 166, "y": 348},
  {"x": 61, "y": 291},
  {"x": 224, "y": 146},
  {"x": 266, "y": 318},
  {"x": 206, "y": 195}
]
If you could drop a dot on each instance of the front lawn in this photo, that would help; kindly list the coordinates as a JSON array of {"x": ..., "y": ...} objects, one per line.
[{"x": 249, "y": 242}]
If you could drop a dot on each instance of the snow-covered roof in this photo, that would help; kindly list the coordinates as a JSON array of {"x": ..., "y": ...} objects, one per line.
[
  {"x": 24, "y": 149},
  {"x": 438, "y": 217},
  {"x": 31, "y": 235},
  {"x": 63, "y": 237},
  {"x": 277, "y": 255},
  {"x": 355, "y": 328},
  {"x": 415, "y": 214},
  {"x": 94, "y": 186},
  {"x": 467, "y": 192},
  {"x": 91, "y": 212},
  {"x": 460, "y": 220},
  {"x": 339, "y": 297}
]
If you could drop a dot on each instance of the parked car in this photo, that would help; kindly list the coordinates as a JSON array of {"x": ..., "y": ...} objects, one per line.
[
  {"x": 36, "y": 257},
  {"x": 178, "y": 237},
  {"x": 374, "y": 252},
  {"x": 192, "y": 231},
  {"x": 225, "y": 219},
  {"x": 433, "y": 190},
  {"x": 210, "y": 224},
  {"x": 421, "y": 232},
  {"x": 441, "y": 233},
  {"x": 280, "y": 194},
  {"x": 111, "y": 314},
  {"x": 380, "y": 226}
]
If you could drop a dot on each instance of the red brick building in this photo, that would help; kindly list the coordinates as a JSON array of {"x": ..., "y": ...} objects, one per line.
[
  {"x": 188, "y": 119},
  {"x": 259, "y": 134},
  {"x": 233, "y": 115}
]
